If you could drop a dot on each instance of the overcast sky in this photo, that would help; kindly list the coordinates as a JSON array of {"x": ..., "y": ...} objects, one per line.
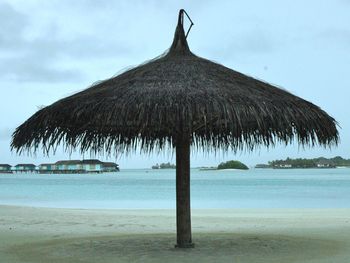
[{"x": 51, "y": 49}]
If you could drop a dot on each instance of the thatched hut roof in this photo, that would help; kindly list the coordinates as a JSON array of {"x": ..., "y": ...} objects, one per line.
[
  {"x": 91, "y": 161},
  {"x": 68, "y": 162},
  {"x": 30, "y": 165},
  {"x": 175, "y": 94},
  {"x": 110, "y": 165},
  {"x": 5, "y": 165}
]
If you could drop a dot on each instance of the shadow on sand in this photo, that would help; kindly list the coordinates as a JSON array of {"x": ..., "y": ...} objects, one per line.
[{"x": 210, "y": 247}]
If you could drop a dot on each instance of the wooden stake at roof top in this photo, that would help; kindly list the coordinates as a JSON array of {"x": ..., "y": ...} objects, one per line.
[{"x": 182, "y": 11}]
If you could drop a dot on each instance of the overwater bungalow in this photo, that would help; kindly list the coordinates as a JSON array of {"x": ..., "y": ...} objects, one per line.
[
  {"x": 109, "y": 167},
  {"x": 47, "y": 167},
  {"x": 92, "y": 165},
  {"x": 78, "y": 166},
  {"x": 25, "y": 168},
  {"x": 73, "y": 166},
  {"x": 5, "y": 168}
]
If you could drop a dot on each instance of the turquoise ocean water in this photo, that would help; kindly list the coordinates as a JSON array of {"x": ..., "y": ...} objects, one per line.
[{"x": 255, "y": 188}]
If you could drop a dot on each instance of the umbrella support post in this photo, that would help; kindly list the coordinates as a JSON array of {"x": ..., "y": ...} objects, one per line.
[{"x": 183, "y": 205}]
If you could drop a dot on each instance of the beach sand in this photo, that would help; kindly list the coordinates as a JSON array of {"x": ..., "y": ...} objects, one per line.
[{"x": 220, "y": 235}]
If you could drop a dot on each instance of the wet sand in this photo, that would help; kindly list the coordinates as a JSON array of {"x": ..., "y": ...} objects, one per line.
[{"x": 220, "y": 235}]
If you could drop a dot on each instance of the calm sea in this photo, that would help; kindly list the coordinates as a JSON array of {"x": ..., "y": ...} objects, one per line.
[{"x": 255, "y": 188}]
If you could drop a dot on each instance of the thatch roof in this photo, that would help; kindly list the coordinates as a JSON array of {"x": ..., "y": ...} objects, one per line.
[
  {"x": 67, "y": 162},
  {"x": 176, "y": 94},
  {"x": 74, "y": 162},
  {"x": 25, "y": 165},
  {"x": 77, "y": 162},
  {"x": 91, "y": 161},
  {"x": 110, "y": 164}
]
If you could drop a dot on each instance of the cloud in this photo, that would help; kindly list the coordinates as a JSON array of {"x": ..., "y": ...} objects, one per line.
[
  {"x": 5, "y": 134},
  {"x": 24, "y": 69},
  {"x": 13, "y": 24},
  {"x": 22, "y": 59},
  {"x": 252, "y": 42},
  {"x": 48, "y": 56},
  {"x": 336, "y": 35}
]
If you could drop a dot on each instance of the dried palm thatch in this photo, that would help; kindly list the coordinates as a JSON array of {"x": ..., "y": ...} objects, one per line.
[
  {"x": 178, "y": 93},
  {"x": 177, "y": 99}
]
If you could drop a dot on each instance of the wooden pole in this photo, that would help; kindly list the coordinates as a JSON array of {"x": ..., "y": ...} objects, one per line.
[{"x": 183, "y": 206}]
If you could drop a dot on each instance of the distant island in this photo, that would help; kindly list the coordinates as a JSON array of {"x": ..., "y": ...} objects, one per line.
[
  {"x": 320, "y": 162},
  {"x": 164, "y": 166},
  {"x": 226, "y": 165},
  {"x": 232, "y": 165}
]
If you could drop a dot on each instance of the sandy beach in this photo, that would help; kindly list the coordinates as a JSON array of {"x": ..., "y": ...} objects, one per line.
[{"x": 230, "y": 235}]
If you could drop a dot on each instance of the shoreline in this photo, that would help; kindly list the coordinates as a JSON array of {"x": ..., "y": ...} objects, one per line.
[{"x": 32, "y": 234}]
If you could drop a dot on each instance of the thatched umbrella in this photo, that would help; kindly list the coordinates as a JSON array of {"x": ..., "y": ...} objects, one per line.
[{"x": 177, "y": 100}]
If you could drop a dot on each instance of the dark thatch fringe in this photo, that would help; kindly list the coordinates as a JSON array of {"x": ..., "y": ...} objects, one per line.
[{"x": 177, "y": 94}]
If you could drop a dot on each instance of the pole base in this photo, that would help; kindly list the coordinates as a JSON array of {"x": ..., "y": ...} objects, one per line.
[{"x": 187, "y": 245}]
